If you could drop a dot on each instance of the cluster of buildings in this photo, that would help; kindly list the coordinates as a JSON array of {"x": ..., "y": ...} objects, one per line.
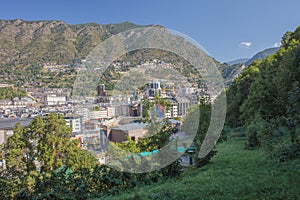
[
  {"x": 97, "y": 120},
  {"x": 55, "y": 67},
  {"x": 42, "y": 101}
]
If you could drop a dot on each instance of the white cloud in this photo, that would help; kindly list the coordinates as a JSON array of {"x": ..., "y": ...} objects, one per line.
[
  {"x": 246, "y": 44},
  {"x": 277, "y": 44}
]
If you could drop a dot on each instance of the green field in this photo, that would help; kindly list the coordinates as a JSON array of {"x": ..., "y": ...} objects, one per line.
[{"x": 235, "y": 173}]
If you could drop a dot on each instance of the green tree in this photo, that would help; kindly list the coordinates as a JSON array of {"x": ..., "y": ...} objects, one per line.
[
  {"x": 204, "y": 122},
  {"x": 19, "y": 153},
  {"x": 46, "y": 143},
  {"x": 129, "y": 145},
  {"x": 19, "y": 156},
  {"x": 293, "y": 112},
  {"x": 55, "y": 148},
  {"x": 10, "y": 93},
  {"x": 269, "y": 106},
  {"x": 237, "y": 93}
]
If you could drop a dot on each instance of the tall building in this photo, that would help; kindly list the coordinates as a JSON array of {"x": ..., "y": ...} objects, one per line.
[
  {"x": 101, "y": 90},
  {"x": 155, "y": 85},
  {"x": 154, "y": 89},
  {"x": 172, "y": 111},
  {"x": 121, "y": 109},
  {"x": 135, "y": 110},
  {"x": 183, "y": 105},
  {"x": 102, "y": 96},
  {"x": 75, "y": 122},
  {"x": 84, "y": 112}
]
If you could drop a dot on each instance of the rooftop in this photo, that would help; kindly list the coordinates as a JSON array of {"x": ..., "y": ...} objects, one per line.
[
  {"x": 10, "y": 123},
  {"x": 129, "y": 127}
]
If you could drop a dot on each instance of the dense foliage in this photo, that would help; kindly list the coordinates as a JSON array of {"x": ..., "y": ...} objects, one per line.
[
  {"x": 37, "y": 76},
  {"x": 43, "y": 163},
  {"x": 10, "y": 93},
  {"x": 235, "y": 173},
  {"x": 204, "y": 122},
  {"x": 36, "y": 151},
  {"x": 53, "y": 41},
  {"x": 266, "y": 100},
  {"x": 238, "y": 92}
]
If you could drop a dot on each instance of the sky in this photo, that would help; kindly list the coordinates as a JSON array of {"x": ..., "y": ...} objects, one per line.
[{"x": 226, "y": 29}]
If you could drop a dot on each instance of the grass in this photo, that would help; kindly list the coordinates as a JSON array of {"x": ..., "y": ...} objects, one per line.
[{"x": 234, "y": 173}]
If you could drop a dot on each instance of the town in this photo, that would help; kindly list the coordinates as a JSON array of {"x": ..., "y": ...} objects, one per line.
[{"x": 105, "y": 117}]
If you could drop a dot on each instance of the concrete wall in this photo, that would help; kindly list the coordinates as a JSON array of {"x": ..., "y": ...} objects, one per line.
[
  {"x": 118, "y": 136},
  {"x": 4, "y": 134}
]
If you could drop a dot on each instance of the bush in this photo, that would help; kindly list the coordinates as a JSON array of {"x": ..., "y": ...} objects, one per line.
[{"x": 288, "y": 152}]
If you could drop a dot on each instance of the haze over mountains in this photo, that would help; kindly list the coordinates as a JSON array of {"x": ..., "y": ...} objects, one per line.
[
  {"x": 238, "y": 61},
  {"x": 259, "y": 55}
]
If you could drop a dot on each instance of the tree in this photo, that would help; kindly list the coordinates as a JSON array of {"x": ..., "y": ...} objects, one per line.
[
  {"x": 269, "y": 107},
  {"x": 10, "y": 93},
  {"x": 19, "y": 153},
  {"x": 238, "y": 92},
  {"x": 205, "y": 113},
  {"x": 55, "y": 148},
  {"x": 19, "y": 158},
  {"x": 46, "y": 143},
  {"x": 293, "y": 112}
]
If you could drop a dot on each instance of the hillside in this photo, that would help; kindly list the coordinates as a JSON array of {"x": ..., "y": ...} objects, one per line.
[
  {"x": 262, "y": 55},
  {"x": 238, "y": 61},
  {"x": 230, "y": 72},
  {"x": 26, "y": 46},
  {"x": 235, "y": 173},
  {"x": 34, "y": 42},
  {"x": 232, "y": 69}
]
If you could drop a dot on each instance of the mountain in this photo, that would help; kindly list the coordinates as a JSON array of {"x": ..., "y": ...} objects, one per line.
[
  {"x": 34, "y": 42},
  {"x": 232, "y": 69},
  {"x": 230, "y": 72},
  {"x": 25, "y": 46},
  {"x": 259, "y": 55},
  {"x": 31, "y": 43},
  {"x": 238, "y": 61},
  {"x": 262, "y": 55}
]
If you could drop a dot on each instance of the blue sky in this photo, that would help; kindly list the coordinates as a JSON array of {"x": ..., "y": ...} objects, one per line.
[{"x": 227, "y": 29}]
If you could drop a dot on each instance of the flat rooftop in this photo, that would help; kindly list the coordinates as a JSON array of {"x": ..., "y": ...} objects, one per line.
[
  {"x": 10, "y": 123},
  {"x": 129, "y": 127}
]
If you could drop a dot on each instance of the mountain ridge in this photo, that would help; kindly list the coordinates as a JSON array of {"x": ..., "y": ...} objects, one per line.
[
  {"x": 259, "y": 55},
  {"x": 50, "y": 42},
  {"x": 35, "y": 42},
  {"x": 237, "y": 61},
  {"x": 234, "y": 68},
  {"x": 262, "y": 54}
]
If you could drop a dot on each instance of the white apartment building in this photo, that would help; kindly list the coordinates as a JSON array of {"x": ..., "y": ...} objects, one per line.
[
  {"x": 75, "y": 122},
  {"x": 53, "y": 100},
  {"x": 173, "y": 111},
  {"x": 111, "y": 112}
]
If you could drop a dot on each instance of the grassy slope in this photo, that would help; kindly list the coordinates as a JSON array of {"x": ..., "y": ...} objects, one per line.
[{"x": 234, "y": 173}]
